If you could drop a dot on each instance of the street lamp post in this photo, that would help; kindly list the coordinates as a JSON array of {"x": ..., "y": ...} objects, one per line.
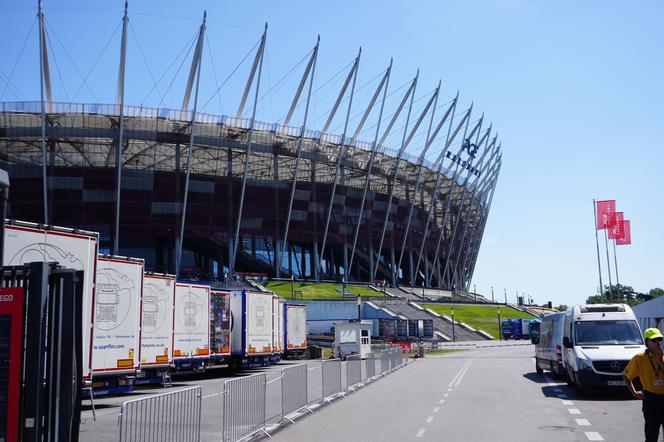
[
  {"x": 475, "y": 290},
  {"x": 505, "y": 296},
  {"x": 292, "y": 285},
  {"x": 359, "y": 308},
  {"x": 492, "y": 300},
  {"x": 343, "y": 285},
  {"x": 453, "y": 330},
  {"x": 500, "y": 331},
  {"x": 423, "y": 295}
]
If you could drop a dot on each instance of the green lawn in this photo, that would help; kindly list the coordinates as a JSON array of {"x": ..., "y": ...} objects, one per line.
[
  {"x": 317, "y": 291},
  {"x": 484, "y": 317}
]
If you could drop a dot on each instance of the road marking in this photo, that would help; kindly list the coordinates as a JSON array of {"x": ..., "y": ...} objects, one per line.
[
  {"x": 212, "y": 395},
  {"x": 312, "y": 369},
  {"x": 465, "y": 370},
  {"x": 446, "y": 394},
  {"x": 582, "y": 422},
  {"x": 421, "y": 432},
  {"x": 441, "y": 401},
  {"x": 429, "y": 419},
  {"x": 573, "y": 411},
  {"x": 594, "y": 435},
  {"x": 454, "y": 379},
  {"x": 435, "y": 410},
  {"x": 567, "y": 402}
]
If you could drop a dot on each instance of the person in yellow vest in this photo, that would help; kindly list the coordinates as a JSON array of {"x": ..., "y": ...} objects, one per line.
[{"x": 648, "y": 366}]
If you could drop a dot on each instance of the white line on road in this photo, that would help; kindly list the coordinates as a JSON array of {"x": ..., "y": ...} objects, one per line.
[
  {"x": 446, "y": 394},
  {"x": 459, "y": 373},
  {"x": 207, "y": 396},
  {"x": 441, "y": 401},
  {"x": 421, "y": 432},
  {"x": 573, "y": 411},
  {"x": 593, "y": 435},
  {"x": 435, "y": 410},
  {"x": 429, "y": 419},
  {"x": 582, "y": 422},
  {"x": 568, "y": 402},
  {"x": 463, "y": 374},
  {"x": 315, "y": 368}
]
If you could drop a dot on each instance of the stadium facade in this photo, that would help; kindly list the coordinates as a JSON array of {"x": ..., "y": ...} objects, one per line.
[{"x": 255, "y": 197}]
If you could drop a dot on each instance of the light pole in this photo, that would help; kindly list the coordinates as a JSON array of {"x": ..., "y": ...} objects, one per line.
[
  {"x": 475, "y": 290},
  {"x": 359, "y": 308},
  {"x": 505, "y": 296},
  {"x": 500, "y": 331},
  {"x": 292, "y": 287},
  {"x": 343, "y": 285},
  {"x": 453, "y": 331},
  {"x": 423, "y": 295},
  {"x": 492, "y": 300}
]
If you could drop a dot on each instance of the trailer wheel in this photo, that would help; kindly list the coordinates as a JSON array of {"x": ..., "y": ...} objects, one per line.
[{"x": 537, "y": 368}]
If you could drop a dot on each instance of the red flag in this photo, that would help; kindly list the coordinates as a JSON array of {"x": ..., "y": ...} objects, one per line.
[
  {"x": 605, "y": 211},
  {"x": 618, "y": 229},
  {"x": 627, "y": 235}
]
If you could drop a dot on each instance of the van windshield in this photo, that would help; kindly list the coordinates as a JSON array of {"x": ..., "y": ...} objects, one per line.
[{"x": 607, "y": 333}]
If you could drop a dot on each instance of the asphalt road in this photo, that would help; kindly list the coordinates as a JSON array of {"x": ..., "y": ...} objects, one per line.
[
  {"x": 480, "y": 394},
  {"x": 487, "y": 391}
]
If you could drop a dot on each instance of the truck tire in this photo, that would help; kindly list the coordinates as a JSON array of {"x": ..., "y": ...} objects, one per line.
[{"x": 537, "y": 368}]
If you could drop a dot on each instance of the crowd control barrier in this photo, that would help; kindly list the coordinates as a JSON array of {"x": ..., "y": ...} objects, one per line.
[
  {"x": 384, "y": 361},
  {"x": 244, "y": 407},
  {"x": 353, "y": 370},
  {"x": 371, "y": 365},
  {"x": 174, "y": 416},
  {"x": 331, "y": 377},
  {"x": 294, "y": 393}
]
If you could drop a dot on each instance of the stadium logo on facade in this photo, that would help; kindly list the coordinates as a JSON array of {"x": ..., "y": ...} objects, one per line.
[{"x": 470, "y": 147}]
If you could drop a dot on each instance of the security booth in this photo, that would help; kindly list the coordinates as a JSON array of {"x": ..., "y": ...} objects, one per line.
[{"x": 352, "y": 338}]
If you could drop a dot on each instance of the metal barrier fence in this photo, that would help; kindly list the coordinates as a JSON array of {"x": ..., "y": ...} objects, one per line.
[
  {"x": 294, "y": 394},
  {"x": 353, "y": 370},
  {"x": 244, "y": 407},
  {"x": 371, "y": 365},
  {"x": 394, "y": 357},
  {"x": 174, "y": 416},
  {"x": 331, "y": 377},
  {"x": 384, "y": 361}
]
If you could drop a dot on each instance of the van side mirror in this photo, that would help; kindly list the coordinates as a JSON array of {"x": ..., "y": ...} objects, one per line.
[{"x": 567, "y": 343}]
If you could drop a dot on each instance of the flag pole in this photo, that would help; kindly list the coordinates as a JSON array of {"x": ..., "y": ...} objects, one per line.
[
  {"x": 599, "y": 265},
  {"x": 608, "y": 264},
  {"x": 615, "y": 262}
]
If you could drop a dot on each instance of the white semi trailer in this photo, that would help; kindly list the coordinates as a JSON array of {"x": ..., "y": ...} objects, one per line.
[
  {"x": 116, "y": 319},
  {"x": 251, "y": 328},
  {"x": 191, "y": 328},
  {"x": 156, "y": 327},
  {"x": 295, "y": 330},
  {"x": 75, "y": 249}
]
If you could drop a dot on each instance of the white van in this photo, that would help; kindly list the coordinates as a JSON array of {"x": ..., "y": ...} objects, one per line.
[
  {"x": 599, "y": 340},
  {"x": 549, "y": 349}
]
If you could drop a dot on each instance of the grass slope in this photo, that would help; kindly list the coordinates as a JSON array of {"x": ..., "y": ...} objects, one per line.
[
  {"x": 484, "y": 317},
  {"x": 318, "y": 291}
]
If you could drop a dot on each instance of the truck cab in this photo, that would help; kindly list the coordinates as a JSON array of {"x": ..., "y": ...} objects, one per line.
[{"x": 598, "y": 342}]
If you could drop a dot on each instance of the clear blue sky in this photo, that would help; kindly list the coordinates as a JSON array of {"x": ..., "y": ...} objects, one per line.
[{"x": 573, "y": 88}]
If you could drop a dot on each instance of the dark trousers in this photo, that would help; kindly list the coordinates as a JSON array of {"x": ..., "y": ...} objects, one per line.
[{"x": 653, "y": 413}]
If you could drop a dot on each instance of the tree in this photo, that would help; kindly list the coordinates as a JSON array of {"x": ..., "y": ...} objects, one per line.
[
  {"x": 656, "y": 292},
  {"x": 562, "y": 308}
]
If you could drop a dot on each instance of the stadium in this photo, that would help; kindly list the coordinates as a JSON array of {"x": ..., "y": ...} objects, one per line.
[{"x": 239, "y": 196}]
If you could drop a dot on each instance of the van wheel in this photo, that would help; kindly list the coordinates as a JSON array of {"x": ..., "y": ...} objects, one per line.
[
  {"x": 537, "y": 368},
  {"x": 570, "y": 382}
]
